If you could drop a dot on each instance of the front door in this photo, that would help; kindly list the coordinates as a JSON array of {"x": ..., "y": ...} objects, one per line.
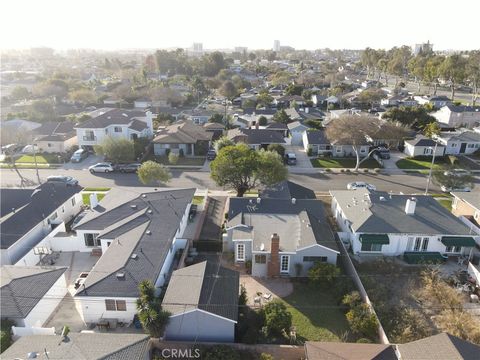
[
  {"x": 462, "y": 148},
  {"x": 284, "y": 264},
  {"x": 240, "y": 252}
]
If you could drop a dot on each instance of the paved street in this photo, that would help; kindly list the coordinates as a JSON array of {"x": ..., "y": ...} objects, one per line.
[{"x": 407, "y": 183}]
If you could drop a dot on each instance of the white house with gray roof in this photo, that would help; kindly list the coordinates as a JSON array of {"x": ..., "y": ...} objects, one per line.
[
  {"x": 280, "y": 236},
  {"x": 461, "y": 142},
  {"x": 458, "y": 116},
  {"x": 139, "y": 234},
  {"x": 391, "y": 225},
  {"x": 203, "y": 301}
]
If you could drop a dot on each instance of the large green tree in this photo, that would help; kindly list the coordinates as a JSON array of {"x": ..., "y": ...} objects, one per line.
[
  {"x": 149, "y": 310},
  {"x": 278, "y": 319},
  {"x": 152, "y": 172},
  {"x": 116, "y": 150},
  {"x": 243, "y": 169},
  {"x": 456, "y": 181},
  {"x": 228, "y": 89},
  {"x": 453, "y": 70},
  {"x": 416, "y": 117},
  {"x": 473, "y": 74}
]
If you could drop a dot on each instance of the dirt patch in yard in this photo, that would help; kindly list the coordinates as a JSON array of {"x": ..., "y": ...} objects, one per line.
[{"x": 278, "y": 288}]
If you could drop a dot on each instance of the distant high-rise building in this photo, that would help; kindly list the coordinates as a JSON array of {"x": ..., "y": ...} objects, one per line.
[
  {"x": 276, "y": 45},
  {"x": 422, "y": 48},
  {"x": 240, "y": 49},
  {"x": 197, "y": 47}
]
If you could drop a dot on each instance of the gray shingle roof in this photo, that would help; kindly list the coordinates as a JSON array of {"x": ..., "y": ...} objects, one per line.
[
  {"x": 463, "y": 108},
  {"x": 439, "y": 347},
  {"x": 299, "y": 225},
  {"x": 277, "y": 126},
  {"x": 105, "y": 117},
  {"x": 44, "y": 200},
  {"x": 138, "y": 125},
  {"x": 287, "y": 190},
  {"x": 23, "y": 287},
  {"x": 317, "y": 137},
  {"x": 81, "y": 346},
  {"x": 315, "y": 350},
  {"x": 206, "y": 286},
  {"x": 13, "y": 199},
  {"x": 472, "y": 198},
  {"x": 468, "y": 136},
  {"x": 130, "y": 236},
  {"x": 377, "y": 212},
  {"x": 422, "y": 141},
  {"x": 257, "y": 136}
]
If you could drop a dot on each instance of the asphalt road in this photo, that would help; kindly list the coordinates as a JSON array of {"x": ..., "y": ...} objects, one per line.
[{"x": 406, "y": 183}]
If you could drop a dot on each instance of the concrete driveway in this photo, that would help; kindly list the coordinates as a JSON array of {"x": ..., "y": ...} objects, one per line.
[
  {"x": 83, "y": 165},
  {"x": 303, "y": 162},
  {"x": 390, "y": 164}
]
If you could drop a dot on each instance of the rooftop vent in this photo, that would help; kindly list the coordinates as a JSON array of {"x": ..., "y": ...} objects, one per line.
[
  {"x": 32, "y": 355},
  {"x": 149, "y": 211},
  {"x": 148, "y": 232},
  {"x": 134, "y": 256},
  {"x": 262, "y": 247},
  {"x": 259, "y": 200},
  {"x": 133, "y": 206},
  {"x": 294, "y": 201},
  {"x": 120, "y": 275},
  {"x": 123, "y": 114},
  {"x": 144, "y": 196}
]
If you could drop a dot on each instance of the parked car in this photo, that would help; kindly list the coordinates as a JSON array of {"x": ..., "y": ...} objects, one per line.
[
  {"x": 79, "y": 155},
  {"x": 30, "y": 149},
  {"x": 211, "y": 154},
  {"x": 457, "y": 172},
  {"x": 128, "y": 168},
  {"x": 360, "y": 185},
  {"x": 383, "y": 152},
  {"x": 450, "y": 189},
  {"x": 11, "y": 148},
  {"x": 291, "y": 159},
  {"x": 101, "y": 167},
  {"x": 68, "y": 180}
]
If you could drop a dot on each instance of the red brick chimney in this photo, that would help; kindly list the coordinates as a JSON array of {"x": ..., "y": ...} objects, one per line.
[{"x": 274, "y": 263}]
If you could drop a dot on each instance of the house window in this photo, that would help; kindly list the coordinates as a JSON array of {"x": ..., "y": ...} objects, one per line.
[
  {"x": 421, "y": 245},
  {"x": 117, "y": 129},
  {"x": 284, "y": 263},
  {"x": 470, "y": 146},
  {"x": 260, "y": 259},
  {"x": 425, "y": 244},
  {"x": 453, "y": 249},
  {"x": 50, "y": 145},
  {"x": 240, "y": 252},
  {"x": 73, "y": 201},
  {"x": 91, "y": 240},
  {"x": 108, "y": 243},
  {"x": 63, "y": 209},
  {"x": 418, "y": 242},
  {"x": 54, "y": 216},
  {"x": 315, "y": 258},
  {"x": 454, "y": 145},
  {"x": 115, "y": 305},
  {"x": 338, "y": 149},
  {"x": 371, "y": 247},
  {"x": 427, "y": 151}
]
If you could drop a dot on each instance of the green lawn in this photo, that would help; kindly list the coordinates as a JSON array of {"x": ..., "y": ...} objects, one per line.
[
  {"x": 336, "y": 163},
  {"x": 315, "y": 314},
  {"x": 41, "y": 159},
  {"x": 181, "y": 161},
  {"x": 420, "y": 163},
  {"x": 96, "y": 189},
  {"x": 198, "y": 200},
  {"x": 446, "y": 203},
  {"x": 86, "y": 198}
]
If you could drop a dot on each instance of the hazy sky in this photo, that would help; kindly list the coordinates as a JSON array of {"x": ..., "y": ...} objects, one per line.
[{"x": 355, "y": 24}]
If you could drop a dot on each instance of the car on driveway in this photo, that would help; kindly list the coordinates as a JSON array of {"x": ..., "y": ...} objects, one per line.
[
  {"x": 360, "y": 185},
  {"x": 291, "y": 159},
  {"x": 67, "y": 180},
  {"x": 79, "y": 155},
  {"x": 101, "y": 168},
  {"x": 128, "y": 168}
]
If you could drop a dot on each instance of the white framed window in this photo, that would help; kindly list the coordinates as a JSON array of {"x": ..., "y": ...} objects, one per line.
[
  {"x": 115, "y": 305},
  {"x": 117, "y": 129},
  {"x": 454, "y": 145},
  {"x": 471, "y": 146},
  {"x": 425, "y": 244},
  {"x": 260, "y": 259},
  {"x": 418, "y": 243},
  {"x": 91, "y": 240},
  {"x": 73, "y": 201},
  {"x": 284, "y": 263},
  {"x": 240, "y": 252},
  {"x": 421, "y": 244}
]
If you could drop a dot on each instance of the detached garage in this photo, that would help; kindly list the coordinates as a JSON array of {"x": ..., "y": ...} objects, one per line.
[
  {"x": 203, "y": 300},
  {"x": 422, "y": 146}
]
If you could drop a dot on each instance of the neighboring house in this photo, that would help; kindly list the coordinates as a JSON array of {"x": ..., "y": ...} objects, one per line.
[
  {"x": 81, "y": 346},
  {"x": 142, "y": 103},
  {"x": 464, "y": 142},
  {"x": 17, "y": 124},
  {"x": 293, "y": 114},
  {"x": 458, "y": 116},
  {"x": 399, "y": 100},
  {"x": 440, "y": 346},
  {"x": 55, "y": 137},
  {"x": 280, "y": 128},
  {"x": 183, "y": 136},
  {"x": 216, "y": 129},
  {"x": 256, "y": 138},
  {"x": 280, "y": 236},
  {"x": 316, "y": 350},
  {"x": 112, "y": 101},
  {"x": 466, "y": 204},
  {"x": 319, "y": 100},
  {"x": 115, "y": 123},
  {"x": 296, "y": 130},
  {"x": 389, "y": 224},
  {"x": 287, "y": 100},
  {"x": 423, "y": 146},
  {"x": 24, "y": 228},
  {"x": 436, "y": 101},
  {"x": 317, "y": 141},
  {"x": 203, "y": 301},
  {"x": 139, "y": 234},
  {"x": 30, "y": 294},
  {"x": 198, "y": 116}
]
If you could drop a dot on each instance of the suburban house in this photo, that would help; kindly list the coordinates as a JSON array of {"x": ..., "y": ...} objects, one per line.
[
  {"x": 142, "y": 103},
  {"x": 116, "y": 123},
  {"x": 281, "y": 128},
  {"x": 458, "y": 115},
  {"x": 462, "y": 142},
  {"x": 203, "y": 301},
  {"x": 81, "y": 346},
  {"x": 318, "y": 100},
  {"x": 436, "y": 101},
  {"x": 182, "y": 137},
  {"x": 280, "y": 236},
  {"x": 256, "y": 138},
  {"x": 399, "y": 100},
  {"x": 22, "y": 228},
  {"x": 55, "y": 137},
  {"x": 375, "y": 222},
  {"x": 317, "y": 141},
  {"x": 423, "y": 146},
  {"x": 466, "y": 204},
  {"x": 296, "y": 130},
  {"x": 30, "y": 294},
  {"x": 198, "y": 116},
  {"x": 216, "y": 129},
  {"x": 138, "y": 235},
  {"x": 287, "y": 100}
]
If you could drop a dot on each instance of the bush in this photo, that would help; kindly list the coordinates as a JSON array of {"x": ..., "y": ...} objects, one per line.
[
  {"x": 242, "y": 299},
  {"x": 173, "y": 158},
  {"x": 309, "y": 151},
  {"x": 277, "y": 318},
  {"x": 362, "y": 321},
  {"x": 342, "y": 170},
  {"x": 322, "y": 273},
  {"x": 265, "y": 356},
  {"x": 376, "y": 170},
  {"x": 365, "y": 170},
  {"x": 279, "y": 149},
  {"x": 347, "y": 170},
  {"x": 181, "y": 153},
  {"x": 6, "y": 334},
  {"x": 328, "y": 170},
  {"x": 220, "y": 352}
]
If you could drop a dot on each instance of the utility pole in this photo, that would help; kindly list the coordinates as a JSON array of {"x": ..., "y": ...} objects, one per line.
[
  {"x": 431, "y": 168},
  {"x": 35, "y": 161}
]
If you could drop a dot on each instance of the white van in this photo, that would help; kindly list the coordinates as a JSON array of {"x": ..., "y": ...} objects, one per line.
[{"x": 79, "y": 155}]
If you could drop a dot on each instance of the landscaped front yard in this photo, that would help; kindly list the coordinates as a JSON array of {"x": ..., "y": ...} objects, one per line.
[
  {"x": 41, "y": 159},
  {"x": 316, "y": 314},
  {"x": 420, "y": 163},
  {"x": 185, "y": 161},
  {"x": 337, "y": 163}
]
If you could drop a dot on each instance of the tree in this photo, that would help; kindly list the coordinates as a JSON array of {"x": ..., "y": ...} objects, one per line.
[
  {"x": 416, "y": 117},
  {"x": 279, "y": 149},
  {"x": 431, "y": 72},
  {"x": 243, "y": 168},
  {"x": 83, "y": 96},
  {"x": 222, "y": 142},
  {"x": 453, "y": 69},
  {"x": 323, "y": 273},
  {"x": 371, "y": 96},
  {"x": 42, "y": 110},
  {"x": 262, "y": 121},
  {"x": 20, "y": 93},
  {"x": 228, "y": 89},
  {"x": 116, "y": 150},
  {"x": 457, "y": 181},
  {"x": 277, "y": 318},
  {"x": 152, "y": 172},
  {"x": 264, "y": 99},
  {"x": 473, "y": 74},
  {"x": 357, "y": 130},
  {"x": 293, "y": 89},
  {"x": 216, "y": 118},
  {"x": 149, "y": 310},
  {"x": 362, "y": 321},
  {"x": 281, "y": 117},
  {"x": 432, "y": 129}
]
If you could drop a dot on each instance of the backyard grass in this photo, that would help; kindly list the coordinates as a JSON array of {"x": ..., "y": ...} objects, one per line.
[
  {"x": 96, "y": 189},
  {"x": 420, "y": 164},
  {"x": 198, "y": 200},
  {"x": 41, "y": 159},
  {"x": 315, "y": 314},
  {"x": 336, "y": 163},
  {"x": 86, "y": 198}
]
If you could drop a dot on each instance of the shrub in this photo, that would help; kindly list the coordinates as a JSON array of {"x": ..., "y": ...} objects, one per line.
[
  {"x": 347, "y": 170},
  {"x": 365, "y": 170},
  {"x": 265, "y": 356},
  {"x": 279, "y": 149},
  {"x": 328, "y": 170},
  {"x": 181, "y": 153},
  {"x": 342, "y": 170},
  {"x": 242, "y": 299},
  {"x": 362, "y": 321},
  {"x": 220, "y": 352},
  {"x": 377, "y": 170},
  {"x": 173, "y": 158},
  {"x": 309, "y": 152},
  {"x": 277, "y": 318},
  {"x": 323, "y": 273},
  {"x": 6, "y": 334}
]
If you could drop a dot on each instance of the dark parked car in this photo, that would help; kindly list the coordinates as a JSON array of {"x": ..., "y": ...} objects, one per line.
[
  {"x": 67, "y": 180},
  {"x": 193, "y": 211},
  {"x": 128, "y": 168},
  {"x": 211, "y": 154}
]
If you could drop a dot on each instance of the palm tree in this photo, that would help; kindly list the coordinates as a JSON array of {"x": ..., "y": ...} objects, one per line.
[{"x": 149, "y": 310}]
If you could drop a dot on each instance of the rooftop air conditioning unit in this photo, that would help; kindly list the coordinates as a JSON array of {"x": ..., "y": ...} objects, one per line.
[
  {"x": 120, "y": 275},
  {"x": 134, "y": 256}
]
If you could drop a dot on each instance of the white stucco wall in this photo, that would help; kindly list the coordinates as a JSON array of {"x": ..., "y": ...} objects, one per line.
[{"x": 93, "y": 308}]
